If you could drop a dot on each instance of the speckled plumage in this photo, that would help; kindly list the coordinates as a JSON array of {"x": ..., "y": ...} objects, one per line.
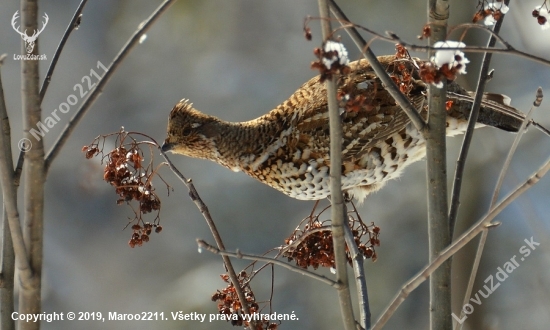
[{"x": 288, "y": 148}]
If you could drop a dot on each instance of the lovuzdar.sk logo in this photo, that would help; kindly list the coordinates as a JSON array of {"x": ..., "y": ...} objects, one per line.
[{"x": 29, "y": 40}]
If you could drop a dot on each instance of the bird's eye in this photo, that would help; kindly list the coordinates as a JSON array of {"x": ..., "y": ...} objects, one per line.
[{"x": 186, "y": 131}]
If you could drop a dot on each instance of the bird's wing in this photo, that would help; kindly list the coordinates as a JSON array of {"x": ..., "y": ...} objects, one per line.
[{"x": 368, "y": 113}]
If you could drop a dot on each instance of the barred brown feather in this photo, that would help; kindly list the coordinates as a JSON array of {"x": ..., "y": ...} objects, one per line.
[{"x": 288, "y": 148}]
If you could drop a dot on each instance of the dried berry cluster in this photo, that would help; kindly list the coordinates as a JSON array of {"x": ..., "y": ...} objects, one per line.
[
  {"x": 492, "y": 11},
  {"x": 430, "y": 74},
  {"x": 312, "y": 246},
  {"x": 132, "y": 181},
  {"x": 123, "y": 170},
  {"x": 401, "y": 74},
  {"x": 426, "y": 32},
  {"x": 541, "y": 13},
  {"x": 354, "y": 102},
  {"x": 540, "y": 19},
  {"x": 332, "y": 60},
  {"x": 354, "y": 97},
  {"x": 141, "y": 233},
  {"x": 229, "y": 304}
]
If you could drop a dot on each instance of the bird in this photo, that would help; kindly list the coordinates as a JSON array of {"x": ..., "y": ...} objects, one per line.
[{"x": 288, "y": 148}]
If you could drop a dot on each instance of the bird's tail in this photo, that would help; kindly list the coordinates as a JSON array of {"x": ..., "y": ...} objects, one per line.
[{"x": 495, "y": 111}]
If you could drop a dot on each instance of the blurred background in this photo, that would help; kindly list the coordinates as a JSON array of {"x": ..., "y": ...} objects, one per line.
[{"x": 237, "y": 60}]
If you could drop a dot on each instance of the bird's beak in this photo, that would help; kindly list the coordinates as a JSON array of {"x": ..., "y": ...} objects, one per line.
[{"x": 167, "y": 146}]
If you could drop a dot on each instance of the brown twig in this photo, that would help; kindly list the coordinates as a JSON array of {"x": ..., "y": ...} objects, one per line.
[
  {"x": 7, "y": 268},
  {"x": 394, "y": 38},
  {"x": 239, "y": 255},
  {"x": 461, "y": 161},
  {"x": 210, "y": 222},
  {"x": 33, "y": 193},
  {"x": 458, "y": 244},
  {"x": 500, "y": 180},
  {"x": 338, "y": 211},
  {"x": 359, "y": 272},
  {"x": 436, "y": 179},
  {"x": 73, "y": 24},
  {"x": 380, "y": 71},
  {"x": 94, "y": 94},
  {"x": 472, "y": 120}
]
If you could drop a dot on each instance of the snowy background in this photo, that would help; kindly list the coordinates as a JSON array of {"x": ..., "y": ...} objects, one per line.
[{"x": 238, "y": 59}]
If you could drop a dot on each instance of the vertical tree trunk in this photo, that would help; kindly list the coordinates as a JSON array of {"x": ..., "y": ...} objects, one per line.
[
  {"x": 29, "y": 295},
  {"x": 438, "y": 223}
]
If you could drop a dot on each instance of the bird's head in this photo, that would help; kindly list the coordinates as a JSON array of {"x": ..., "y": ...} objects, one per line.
[{"x": 190, "y": 132}]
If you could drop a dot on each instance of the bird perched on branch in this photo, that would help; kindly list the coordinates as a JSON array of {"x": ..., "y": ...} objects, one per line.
[{"x": 288, "y": 148}]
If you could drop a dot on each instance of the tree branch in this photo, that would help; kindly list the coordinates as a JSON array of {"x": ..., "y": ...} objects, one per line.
[
  {"x": 338, "y": 212},
  {"x": 380, "y": 71},
  {"x": 485, "y": 232},
  {"x": 94, "y": 94},
  {"x": 203, "y": 244},
  {"x": 394, "y": 38},
  {"x": 7, "y": 270},
  {"x": 73, "y": 24},
  {"x": 464, "y": 239},
  {"x": 210, "y": 222},
  {"x": 359, "y": 271},
  {"x": 472, "y": 120},
  {"x": 436, "y": 174},
  {"x": 33, "y": 230}
]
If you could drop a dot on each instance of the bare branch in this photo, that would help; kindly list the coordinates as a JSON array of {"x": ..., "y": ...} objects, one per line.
[
  {"x": 8, "y": 254},
  {"x": 472, "y": 120},
  {"x": 94, "y": 94},
  {"x": 485, "y": 233},
  {"x": 464, "y": 239},
  {"x": 394, "y": 38},
  {"x": 436, "y": 178},
  {"x": 72, "y": 26},
  {"x": 338, "y": 211},
  {"x": 206, "y": 214},
  {"x": 33, "y": 224},
  {"x": 380, "y": 71},
  {"x": 239, "y": 255},
  {"x": 359, "y": 271},
  {"x": 513, "y": 148}
]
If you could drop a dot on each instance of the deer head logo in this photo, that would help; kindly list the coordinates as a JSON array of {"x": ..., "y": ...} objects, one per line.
[{"x": 29, "y": 41}]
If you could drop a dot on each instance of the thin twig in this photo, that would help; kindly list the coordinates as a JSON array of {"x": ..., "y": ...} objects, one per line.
[
  {"x": 472, "y": 277},
  {"x": 513, "y": 148},
  {"x": 268, "y": 260},
  {"x": 72, "y": 26},
  {"x": 338, "y": 211},
  {"x": 394, "y": 38},
  {"x": 464, "y": 239},
  {"x": 500, "y": 180},
  {"x": 436, "y": 180},
  {"x": 360, "y": 279},
  {"x": 474, "y": 49},
  {"x": 7, "y": 268},
  {"x": 472, "y": 120},
  {"x": 210, "y": 222},
  {"x": 390, "y": 86},
  {"x": 7, "y": 277},
  {"x": 380, "y": 71},
  {"x": 94, "y": 94}
]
